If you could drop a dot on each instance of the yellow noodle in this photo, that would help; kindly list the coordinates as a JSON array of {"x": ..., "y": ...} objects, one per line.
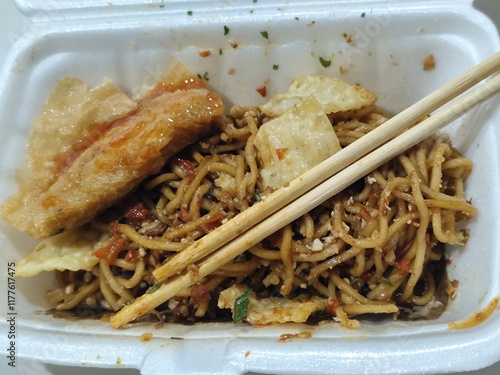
[
  {"x": 357, "y": 309},
  {"x": 136, "y": 277},
  {"x": 79, "y": 296},
  {"x": 348, "y": 250},
  {"x": 260, "y": 252},
  {"x": 113, "y": 282},
  {"x": 150, "y": 243},
  {"x": 191, "y": 226},
  {"x": 286, "y": 256}
]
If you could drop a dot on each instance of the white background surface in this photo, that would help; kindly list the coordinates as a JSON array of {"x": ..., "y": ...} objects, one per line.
[{"x": 12, "y": 24}]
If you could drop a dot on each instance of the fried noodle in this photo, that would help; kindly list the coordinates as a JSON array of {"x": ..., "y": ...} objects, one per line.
[{"x": 376, "y": 247}]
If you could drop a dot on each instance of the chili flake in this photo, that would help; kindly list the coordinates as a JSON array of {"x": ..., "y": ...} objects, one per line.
[
  {"x": 262, "y": 90},
  {"x": 332, "y": 306},
  {"x": 132, "y": 256},
  {"x": 403, "y": 266},
  {"x": 281, "y": 152},
  {"x": 110, "y": 251}
]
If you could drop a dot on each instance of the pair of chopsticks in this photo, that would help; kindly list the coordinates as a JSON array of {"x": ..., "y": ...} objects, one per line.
[{"x": 315, "y": 186}]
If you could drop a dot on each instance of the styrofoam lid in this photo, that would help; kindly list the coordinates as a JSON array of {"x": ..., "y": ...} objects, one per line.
[{"x": 48, "y": 8}]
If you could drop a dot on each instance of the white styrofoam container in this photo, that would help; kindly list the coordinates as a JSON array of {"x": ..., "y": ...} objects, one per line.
[{"x": 134, "y": 41}]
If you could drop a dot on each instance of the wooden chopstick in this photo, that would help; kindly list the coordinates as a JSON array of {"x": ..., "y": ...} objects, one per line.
[
  {"x": 283, "y": 196},
  {"x": 311, "y": 199}
]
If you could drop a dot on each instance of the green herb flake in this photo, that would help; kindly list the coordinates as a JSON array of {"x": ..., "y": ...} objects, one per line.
[
  {"x": 386, "y": 281},
  {"x": 162, "y": 6},
  {"x": 204, "y": 76},
  {"x": 297, "y": 18},
  {"x": 190, "y": 12},
  {"x": 256, "y": 196},
  {"x": 363, "y": 15},
  {"x": 241, "y": 306},
  {"x": 176, "y": 338},
  {"x": 131, "y": 301},
  {"x": 264, "y": 34},
  {"x": 275, "y": 67},
  {"x": 220, "y": 51},
  {"x": 153, "y": 288},
  {"x": 226, "y": 30},
  {"x": 324, "y": 62},
  {"x": 254, "y": 1},
  {"x": 320, "y": 313}
]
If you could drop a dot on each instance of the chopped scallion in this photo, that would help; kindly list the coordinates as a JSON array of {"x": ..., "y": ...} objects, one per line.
[
  {"x": 153, "y": 288},
  {"x": 386, "y": 281},
  {"x": 324, "y": 62},
  {"x": 241, "y": 306}
]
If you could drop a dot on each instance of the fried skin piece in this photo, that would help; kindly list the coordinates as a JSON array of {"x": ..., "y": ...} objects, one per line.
[{"x": 173, "y": 115}]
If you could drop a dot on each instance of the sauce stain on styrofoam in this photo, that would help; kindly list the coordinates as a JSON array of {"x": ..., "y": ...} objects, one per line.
[{"x": 477, "y": 318}]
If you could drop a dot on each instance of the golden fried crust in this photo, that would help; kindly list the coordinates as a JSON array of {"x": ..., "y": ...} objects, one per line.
[{"x": 130, "y": 150}]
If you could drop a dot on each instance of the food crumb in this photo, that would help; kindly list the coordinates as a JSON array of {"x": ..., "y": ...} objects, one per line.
[
  {"x": 349, "y": 38},
  {"x": 429, "y": 62},
  {"x": 342, "y": 69},
  {"x": 231, "y": 71},
  {"x": 145, "y": 337},
  {"x": 452, "y": 289},
  {"x": 247, "y": 353},
  {"x": 287, "y": 337}
]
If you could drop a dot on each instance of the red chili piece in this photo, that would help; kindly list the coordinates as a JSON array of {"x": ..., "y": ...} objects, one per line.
[
  {"x": 262, "y": 90},
  {"x": 110, "y": 251}
]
